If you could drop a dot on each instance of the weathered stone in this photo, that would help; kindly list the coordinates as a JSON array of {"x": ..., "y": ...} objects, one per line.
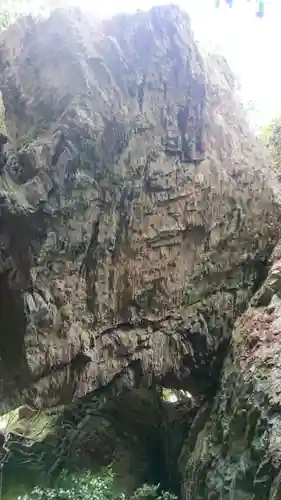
[
  {"x": 236, "y": 454},
  {"x": 115, "y": 255}
]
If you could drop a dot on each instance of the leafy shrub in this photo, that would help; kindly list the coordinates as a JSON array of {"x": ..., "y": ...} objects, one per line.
[
  {"x": 89, "y": 487},
  {"x": 148, "y": 492},
  {"x": 77, "y": 487}
]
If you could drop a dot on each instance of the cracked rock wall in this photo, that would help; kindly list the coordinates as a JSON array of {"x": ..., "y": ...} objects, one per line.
[
  {"x": 235, "y": 452},
  {"x": 137, "y": 211}
]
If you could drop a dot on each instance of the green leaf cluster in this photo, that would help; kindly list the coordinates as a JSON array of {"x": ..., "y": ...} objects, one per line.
[{"x": 86, "y": 486}]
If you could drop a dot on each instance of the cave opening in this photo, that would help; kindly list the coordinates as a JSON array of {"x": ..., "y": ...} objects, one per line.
[{"x": 139, "y": 432}]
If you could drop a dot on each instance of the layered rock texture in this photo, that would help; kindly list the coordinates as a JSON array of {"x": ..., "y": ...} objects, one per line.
[
  {"x": 137, "y": 217},
  {"x": 135, "y": 205},
  {"x": 236, "y": 454}
]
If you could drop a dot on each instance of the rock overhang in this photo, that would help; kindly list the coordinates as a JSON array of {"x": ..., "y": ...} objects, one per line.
[{"x": 135, "y": 206}]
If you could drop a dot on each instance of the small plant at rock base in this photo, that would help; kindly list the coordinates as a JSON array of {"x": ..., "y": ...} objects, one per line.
[{"x": 147, "y": 492}]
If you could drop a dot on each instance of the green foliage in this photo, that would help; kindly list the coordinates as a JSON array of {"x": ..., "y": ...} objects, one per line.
[
  {"x": 148, "y": 492},
  {"x": 25, "y": 140},
  {"x": 89, "y": 487},
  {"x": 2, "y": 114},
  {"x": 4, "y": 19},
  {"x": 77, "y": 487},
  {"x": 271, "y": 137},
  {"x": 268, "y": 131},
  {"x": 9, "y": 11}
]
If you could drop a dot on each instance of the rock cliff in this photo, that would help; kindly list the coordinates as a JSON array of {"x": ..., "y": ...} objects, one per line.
[
  {"x": 137, "y": 210},
  {"x": 138, "y": 215},
  {"x": 235, "y": 453}
]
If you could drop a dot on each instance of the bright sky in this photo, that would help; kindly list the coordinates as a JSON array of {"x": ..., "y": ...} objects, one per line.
[{"x": 251, "y": 45}]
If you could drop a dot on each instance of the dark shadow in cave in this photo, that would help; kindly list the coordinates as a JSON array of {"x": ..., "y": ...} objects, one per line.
[
  {"x": 13, "y": 326},
  {"x": 22, "y": 237}
]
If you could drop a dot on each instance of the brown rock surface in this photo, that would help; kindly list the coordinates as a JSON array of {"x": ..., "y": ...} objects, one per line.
[
  {"x": 137, "y": 210},
  {"x": 236, "y": 454}
]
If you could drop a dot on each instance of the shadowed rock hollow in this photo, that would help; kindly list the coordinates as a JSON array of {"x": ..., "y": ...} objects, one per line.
[{"x": 137, "y": 212}]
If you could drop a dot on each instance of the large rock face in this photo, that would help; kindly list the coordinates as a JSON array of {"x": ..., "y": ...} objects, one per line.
[
  {"x": 137, "y": 212},
  {"x": 235, "y": 452}
]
